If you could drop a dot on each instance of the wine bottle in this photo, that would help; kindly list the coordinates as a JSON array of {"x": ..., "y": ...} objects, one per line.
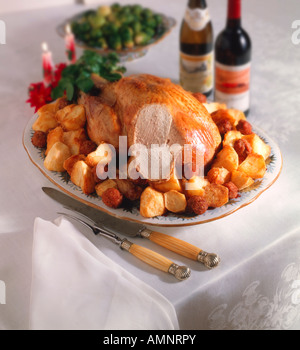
[
  {"x": 196, "y": 49},
  {"x": 233, "y": 60}
]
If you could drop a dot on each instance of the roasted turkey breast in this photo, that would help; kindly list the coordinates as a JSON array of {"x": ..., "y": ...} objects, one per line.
[{"x": 150, "y": 110}]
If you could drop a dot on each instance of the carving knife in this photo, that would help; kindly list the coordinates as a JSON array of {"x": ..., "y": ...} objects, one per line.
[{"x": 114, "y": 225}]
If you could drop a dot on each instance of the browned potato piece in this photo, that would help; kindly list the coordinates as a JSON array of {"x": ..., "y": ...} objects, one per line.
[
  {"x": 237, "y": 115},
  {"x": 103, "y": 186},
  {"x": 60, "y": 103},
  {"x": 102, "y": 155},
  {"x": 54, "y": 135},
  {"x": 227, "y": 158},
  {"x": 71, "y": 117},
  {"x": 47, "y": 108},
  {"x": 254, "y": 166},
  {"x": 83, "y": 177},
  {"x": 164, "y": 186},
  {"x": 258, "y": 145},
  {"x": 230, "y": 137},
  {"x": 152, "y": 203},
  {"x": 216, "y": 195},
  {"x": 175, "y": 201},
  {"x": 194, "y": 186},
  {"x": 218, "y": 175},
  {"x": 56, "y": 157},
  {"x": 70, "y": 162},
  {"x": 241, "y": 180},
  {"x": 73, "y": 139},
  {"x": 46, "y": 118},
  {"x": 221, "y": 115},
  {"x": 214, "y": 106}
]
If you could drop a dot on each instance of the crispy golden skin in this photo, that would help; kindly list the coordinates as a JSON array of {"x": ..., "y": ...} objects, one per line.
[{"x": 190, "y": 122}]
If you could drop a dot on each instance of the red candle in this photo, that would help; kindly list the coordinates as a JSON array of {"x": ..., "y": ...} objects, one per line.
[
  {"x": 48, "y": 65},
  {"x": 70, "y": 45}
]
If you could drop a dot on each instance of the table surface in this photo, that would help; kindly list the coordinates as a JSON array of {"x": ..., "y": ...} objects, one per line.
[{"x": 257, "y": 285}]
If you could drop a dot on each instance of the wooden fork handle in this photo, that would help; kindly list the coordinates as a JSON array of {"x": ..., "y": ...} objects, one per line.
[
  {"x": 156, "y": 260},
  {"x": 181, "y": 247}
]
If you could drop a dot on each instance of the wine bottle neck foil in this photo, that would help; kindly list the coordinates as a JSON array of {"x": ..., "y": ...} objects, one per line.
[{"x": 234, "y": 9}]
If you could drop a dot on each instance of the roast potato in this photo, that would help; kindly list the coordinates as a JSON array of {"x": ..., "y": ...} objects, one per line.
[
  {"x": 83, "y": 177},
  {"x": 227, "y": 158},
  {"x": 175, "y": 201},
  {"x": 254, "y": 166},
  {"x": 71, "y": 117},
  {"x": 152, "y": 203},
  {"x": 56, "y": 157}
]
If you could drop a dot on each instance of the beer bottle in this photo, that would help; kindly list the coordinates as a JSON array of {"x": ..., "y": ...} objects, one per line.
[{"x": 196, "y": 49}]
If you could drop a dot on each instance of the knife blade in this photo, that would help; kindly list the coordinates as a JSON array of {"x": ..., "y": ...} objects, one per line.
[{"x": 115, "y": 225}]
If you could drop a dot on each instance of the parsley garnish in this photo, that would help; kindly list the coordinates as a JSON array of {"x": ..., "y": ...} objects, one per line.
[{"x": 77, "y": 77}]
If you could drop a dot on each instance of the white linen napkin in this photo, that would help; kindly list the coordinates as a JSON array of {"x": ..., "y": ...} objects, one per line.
[{"x": 75, "y": 286}]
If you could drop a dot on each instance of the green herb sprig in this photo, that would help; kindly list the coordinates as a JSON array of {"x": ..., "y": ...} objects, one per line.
[{"x": 77, "y": 77}]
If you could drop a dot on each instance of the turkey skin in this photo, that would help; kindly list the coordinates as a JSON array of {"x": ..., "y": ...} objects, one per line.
[{"x": 149, "y": 110}]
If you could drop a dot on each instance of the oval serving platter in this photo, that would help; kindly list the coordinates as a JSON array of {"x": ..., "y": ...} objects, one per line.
[{"x": 247, "y": 196}]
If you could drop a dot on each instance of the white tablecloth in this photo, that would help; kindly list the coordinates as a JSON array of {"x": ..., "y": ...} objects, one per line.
[{"x": 257, "y": 285}]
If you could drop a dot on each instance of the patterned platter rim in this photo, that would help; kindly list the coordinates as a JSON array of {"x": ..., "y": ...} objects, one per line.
[{"x": 62, "y": 181}]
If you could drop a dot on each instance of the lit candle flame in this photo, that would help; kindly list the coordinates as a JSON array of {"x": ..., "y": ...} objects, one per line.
[
  {"x": 68, "y": 29},
  {"x": 45, "y": 47}
]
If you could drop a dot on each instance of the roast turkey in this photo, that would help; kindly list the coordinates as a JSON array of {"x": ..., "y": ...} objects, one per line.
[{"x": 149, "y": 110}]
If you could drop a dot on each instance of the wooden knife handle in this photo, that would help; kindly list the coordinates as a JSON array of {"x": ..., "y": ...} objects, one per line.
[
  {"x": 156, "y": 260},
  {"x": 181, "y": 247}
]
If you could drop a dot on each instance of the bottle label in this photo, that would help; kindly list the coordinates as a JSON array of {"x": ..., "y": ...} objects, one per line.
[
  {"x": 197, "y": 19},
  {"x": 232, "y": 85},
  {"x": 196, "y": 72}
]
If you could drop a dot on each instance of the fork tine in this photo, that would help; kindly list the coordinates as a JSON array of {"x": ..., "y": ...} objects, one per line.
[
  {"x": 79, "y": 213},
  {"x": 78, "y": 219},
  {"x": 96, "y": 226}
]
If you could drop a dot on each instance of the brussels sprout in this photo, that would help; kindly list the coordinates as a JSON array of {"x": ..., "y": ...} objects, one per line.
[
  {"x": 137, "y": 9},
  {"x": 127, "y": 18},
  {"x": 96, "y": 21},
  {"x": 110, "y": 29},
  {"x": 75, "y": 28},
  {"x": 115, "y": 7},
  {"x": 158, "y": 19},
  {"x": 149, "y": 31},
  {"x": 141, "y": 39},
  {"x": 126, "y": 10},
  {"x": 136, "y": 26},
  {"x": 102, "y": 43},
  {"x": 127, "y": 37},
  {"x": 150, "y": 22},
  {"x": 83, "y": 27},
  {"x": 129, "y": 44},
  {"x": 122, "y": 19},
  {"x": 147, "y": 13},
  {"x": 104, "y": 10},
  {"x": 126, "y": 33},
  {"x": 88, "y": 13},
  {"x": 116, "y": 26},
  {"x": 111, "y": 17},
  {"x": 96, "y": 33},
  {"x": 86, "y": 36},
  {"x": 115, "y": 42}
]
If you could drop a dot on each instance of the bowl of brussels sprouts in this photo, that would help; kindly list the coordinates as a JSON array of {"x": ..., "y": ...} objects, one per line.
[{"x": 128, "y": 30}]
